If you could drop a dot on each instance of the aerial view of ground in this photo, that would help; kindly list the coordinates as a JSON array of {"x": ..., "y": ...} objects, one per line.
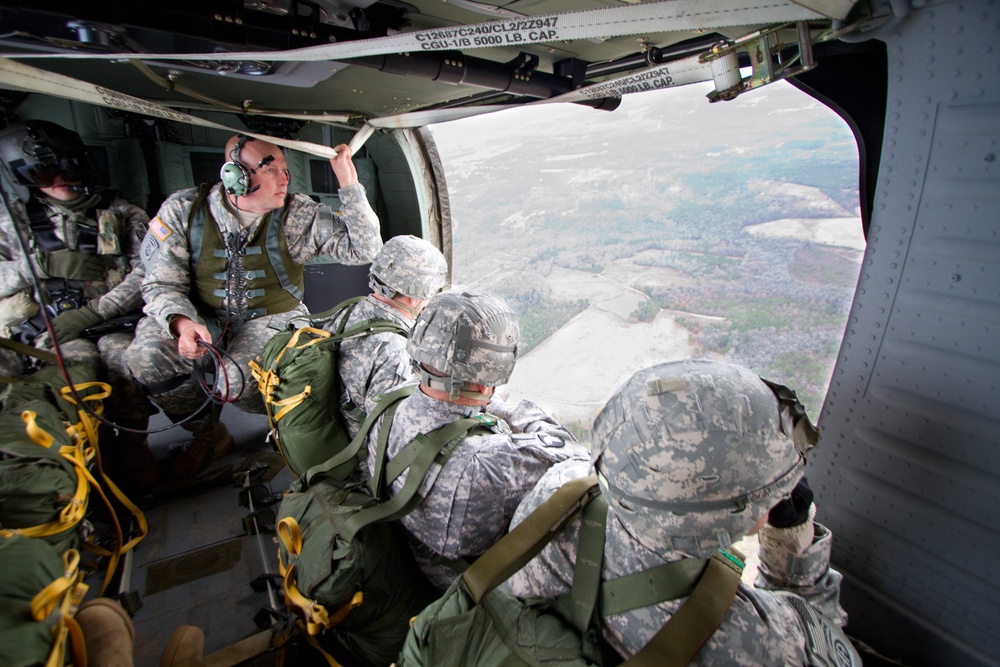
[{"x": 653, "y": 233}]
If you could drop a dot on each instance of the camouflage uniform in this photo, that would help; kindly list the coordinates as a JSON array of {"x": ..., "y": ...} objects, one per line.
[
  {"x": 119, "y": 295},
  {"x": 371, "y": 365},
  {"x": 760, "y": 628},
  {"x": 706, "y": 437},
  {"x": 470, "y": 500},
  {"x": 170, "y": 289}
]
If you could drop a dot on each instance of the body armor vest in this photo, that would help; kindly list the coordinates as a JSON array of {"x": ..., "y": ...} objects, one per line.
[
  {"x": 267, "y": 281},
  {"x": 102, "y": 238}
]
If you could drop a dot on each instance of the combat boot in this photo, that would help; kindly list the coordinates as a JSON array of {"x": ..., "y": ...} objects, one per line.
[
  {"x": 207, "y": 445},
  {"x": 108, "y": 633},
  {"x": 185, "y": 648},
  {"x": 138, "y": 467}
]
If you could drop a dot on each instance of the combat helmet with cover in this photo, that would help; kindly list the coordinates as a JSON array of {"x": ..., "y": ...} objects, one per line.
[
  {"x": 35, "y": 152},
  {"x": 690, "y": 454},
  {"x": 409, "y": 266},
  {"x": 466, "y": 337}
]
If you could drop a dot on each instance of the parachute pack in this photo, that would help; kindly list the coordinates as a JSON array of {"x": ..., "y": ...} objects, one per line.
[
  {"x": 40, "y": 593},
  {"x": 348, "y": 574},
  {"x": 49, "y": 469},
  {"x": 50, "y": 464},
  {"x": 299, "y": 380},
  {"x": 476, "y": 623}
]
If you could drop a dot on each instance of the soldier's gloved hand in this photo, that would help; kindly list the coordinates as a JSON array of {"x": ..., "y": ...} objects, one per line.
[
  {"x": 70, "y": 325},
  {"x": 792, "y": 511},
  {"x": 73, "y": 265}
]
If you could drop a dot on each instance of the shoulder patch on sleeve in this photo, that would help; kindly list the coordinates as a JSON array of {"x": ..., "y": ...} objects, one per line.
[
  {"x": 160, "y": 230},
  {"x": 149, "y": 246}
]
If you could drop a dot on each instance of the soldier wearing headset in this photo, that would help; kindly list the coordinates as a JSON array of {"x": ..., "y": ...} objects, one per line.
[{"x": 224, "y": 265}]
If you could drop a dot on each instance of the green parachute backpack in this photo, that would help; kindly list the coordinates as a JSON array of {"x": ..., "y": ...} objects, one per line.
[
  {"x": 298, "y": 378},
  {"x": 348, "y": 573},
  {"x": 50, "y": 464},
  {"x": 39, "y": 592},
  {"x": 476, "y": 623},
  {"x": 43, "y": 491}
]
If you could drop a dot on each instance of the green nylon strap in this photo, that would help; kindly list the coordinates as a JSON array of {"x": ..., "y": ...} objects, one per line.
[
  {"x": 404, "y": 459},
  {"x": 579, "y": 605},
  {"x": 29, "y": 350},
  {"x": 409, "y": 496},
  {"x": 376, "y": 482},
  {"x": 680, "y": 639},
  {"x": 642, "y": 589},
  {"x": 368, "y": 327},
  {"x": 414, "y": 450},
  {"x": 321, "y": 318},
  {"x": 528, "y": 538},
  {"x": 350, "y": 453}
]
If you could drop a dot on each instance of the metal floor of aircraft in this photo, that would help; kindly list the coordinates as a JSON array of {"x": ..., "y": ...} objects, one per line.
[{"x": 201, "y": 563}]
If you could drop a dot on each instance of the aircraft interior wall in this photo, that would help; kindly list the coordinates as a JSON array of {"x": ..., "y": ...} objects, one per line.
[{"x": 909, "y": 466}]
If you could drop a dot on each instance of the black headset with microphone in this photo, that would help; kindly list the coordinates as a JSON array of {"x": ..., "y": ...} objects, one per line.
[{"x": 234, "y": 175}]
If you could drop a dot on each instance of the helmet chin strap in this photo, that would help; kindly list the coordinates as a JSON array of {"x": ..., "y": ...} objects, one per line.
[
  {"x": 385, "y": 294},
  {"x": 453, "y": 388}
]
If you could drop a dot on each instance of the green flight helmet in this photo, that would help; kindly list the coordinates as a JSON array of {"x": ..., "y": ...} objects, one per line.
[
  {"x": 465, "y": 337},
  {"x": 409, "y": 266},
  {"x": 692, "y": 453}
]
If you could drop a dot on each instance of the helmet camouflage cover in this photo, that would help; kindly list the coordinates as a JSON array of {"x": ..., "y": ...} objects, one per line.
[
  {"x": 692, "y": 453},
  {"x": 410, "y": 266},
  {"x": 467, "y": 337}
]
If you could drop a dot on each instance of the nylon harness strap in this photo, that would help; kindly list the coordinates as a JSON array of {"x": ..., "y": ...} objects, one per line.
[
  {"x": 579, "y": 606},
  {"x": 349, "y": 454},
  {"x": 687, "y": 631},
  {"x": 528, "y": 538},
  {"x": 29, "y": 350},
  {"x": 45, "y": 236},
  {"x": 680, "y": 638},
  {"x": 441, "y": 441},
  {"x": 405, "y": 458},
  {"x": 665, "y": 582}
]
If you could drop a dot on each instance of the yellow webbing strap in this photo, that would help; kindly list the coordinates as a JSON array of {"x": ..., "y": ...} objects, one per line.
[
  {"x": 76, "y": 507},
  {"x": 79, "y": 455},
  {"x": 59, "y": 591},
  {"x": 78, "y": 648},
  {"x": 36, "y": 432},
  {"x": 66, "y": 592},
  {"x": 313, "y": 614},
  {"x": 84, "y": 433},
  {"x": 293, "y": 342},
  {"x": 290, "y": 403},
  {"x": 290, "y": 535},
  {"x": 268, "y": 380}
]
